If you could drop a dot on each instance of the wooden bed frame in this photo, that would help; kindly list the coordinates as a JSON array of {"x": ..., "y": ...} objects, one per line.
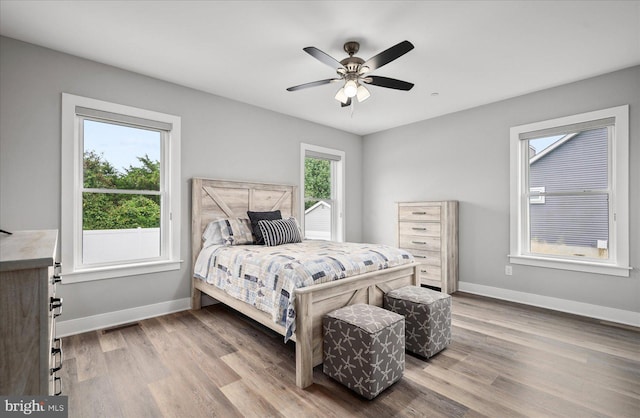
[{"x": 215, "y": 199}]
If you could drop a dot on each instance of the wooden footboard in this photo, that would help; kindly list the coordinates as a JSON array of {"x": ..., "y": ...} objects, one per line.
[{"x": 312, "y": 303}]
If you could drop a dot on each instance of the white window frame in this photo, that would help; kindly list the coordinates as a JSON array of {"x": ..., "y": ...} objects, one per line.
[
  {"x": 618, "y": 262},
  {"x": 72, "y": 184},
  {"x": 337, "y": 187}
]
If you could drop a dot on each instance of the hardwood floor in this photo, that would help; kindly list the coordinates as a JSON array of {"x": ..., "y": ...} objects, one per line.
[{"x": 505, "y": 360}]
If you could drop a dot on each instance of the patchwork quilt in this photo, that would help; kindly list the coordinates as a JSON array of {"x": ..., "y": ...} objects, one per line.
[{"x": 266, "y": 277}]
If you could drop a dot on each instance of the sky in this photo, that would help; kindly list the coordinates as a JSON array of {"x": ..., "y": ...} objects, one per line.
[
  {"x": 540, "y": 144},
  {"x": 120, "y": 145}
]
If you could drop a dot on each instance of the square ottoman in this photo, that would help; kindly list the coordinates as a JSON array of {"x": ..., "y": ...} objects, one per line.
[
  {"x": 427, "y": 318},
  {"x": 364, "y": 348}
]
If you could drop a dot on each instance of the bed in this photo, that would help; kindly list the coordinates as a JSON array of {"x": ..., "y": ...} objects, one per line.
[{"x": 216, "y": 199}]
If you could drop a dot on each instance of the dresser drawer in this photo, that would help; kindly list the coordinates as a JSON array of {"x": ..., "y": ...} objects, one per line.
[
  {"x": 430, "y": 275},
  {"x": 428, "y": 278},
  {"x": 417, "y": 242},
  {"x": 429, "y": 282},
  {"x": 419, "y": 213},
  {"x": 432, "y": 258},
  {"x": 426, "y": 229}
]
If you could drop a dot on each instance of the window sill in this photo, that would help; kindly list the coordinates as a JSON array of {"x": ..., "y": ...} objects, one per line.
[
  {"x": 584, "y": 266},
  {"x": 112, "y": 272}
]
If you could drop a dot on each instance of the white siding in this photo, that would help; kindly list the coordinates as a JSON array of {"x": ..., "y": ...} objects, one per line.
[{"x": 317, "y": 221}]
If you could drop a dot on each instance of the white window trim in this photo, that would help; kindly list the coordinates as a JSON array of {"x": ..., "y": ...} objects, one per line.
[
  {"x": 618, "y": 265},
  {"x": 71, "y": 213},
  {"x": 337, "y": 188}
]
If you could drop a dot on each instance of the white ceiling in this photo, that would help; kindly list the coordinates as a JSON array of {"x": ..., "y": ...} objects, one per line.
[{"x": 469, "y": 52}]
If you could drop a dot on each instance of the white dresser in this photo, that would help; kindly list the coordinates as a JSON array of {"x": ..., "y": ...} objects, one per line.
[
  {"x": 30, "y": 355},
  {"x": 429, "y": 231}
]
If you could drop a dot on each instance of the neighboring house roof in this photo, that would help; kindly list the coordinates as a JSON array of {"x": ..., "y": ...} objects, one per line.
[
  {"x": 552, "y": 147},
  {"x": 320, "y": 203}
]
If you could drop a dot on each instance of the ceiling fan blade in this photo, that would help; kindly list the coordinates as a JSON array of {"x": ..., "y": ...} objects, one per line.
[
  {"x": 387, "y": 82},
  {"x": 347, "y": 103},
  {"x": 323, "y": 57},
  {"x": 388, "y": 55},
  {"x": 313, "y": 84}
]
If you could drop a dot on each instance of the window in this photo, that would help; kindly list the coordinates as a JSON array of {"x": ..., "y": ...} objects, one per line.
[
  {"x": 569, "y": 193},
  {"x": 323, "y": 192},
  {"x": 120, "y": 190}
]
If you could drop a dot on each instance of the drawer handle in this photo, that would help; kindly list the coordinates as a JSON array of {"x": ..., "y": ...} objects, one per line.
[
  {"x": 54, "y": 352},
  {"x": 418, "y": 213},
  {"x": 419, "y": 242},
  {"x": 55, "y": 303},
  {"x": 419, "y": 256},
  {"x": 415, "y": 228},
  {"x": 56, "y": 348},
  {"x": 423, "y": 271},
  {"x": 56, "y": 273},
  {"x": 57, "y": 382}
]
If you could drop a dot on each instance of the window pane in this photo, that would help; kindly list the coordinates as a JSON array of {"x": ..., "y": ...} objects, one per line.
[
  {"x": 317, "y": 193},
  {"x": 576, "y": 226},
  {"x": 576, "y": 161},
  {"x": 119, "y": 227},
  {"x": 317, "y": 179},
  {"x": 121, "y": 157},
  {"x": 317, "y": 220}
]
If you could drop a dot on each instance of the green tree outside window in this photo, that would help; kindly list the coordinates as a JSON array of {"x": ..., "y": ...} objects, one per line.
[
  {"x": 317, "y": 181},
  {"x": 119, "y": 210}
]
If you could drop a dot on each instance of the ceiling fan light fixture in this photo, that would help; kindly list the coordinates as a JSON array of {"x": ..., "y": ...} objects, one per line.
[
  {"x": 341, "y": 96},
  {"x": 354, "y": 72},
  {"x": 363, "y": 94},
  {"x": 350, "y": 88}
]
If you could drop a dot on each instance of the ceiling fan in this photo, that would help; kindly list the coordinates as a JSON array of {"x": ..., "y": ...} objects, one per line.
[{"x": 354, "y": 71}]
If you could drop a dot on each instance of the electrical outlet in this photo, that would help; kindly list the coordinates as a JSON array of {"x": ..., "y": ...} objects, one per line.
[{"x": 508, "y": 270}]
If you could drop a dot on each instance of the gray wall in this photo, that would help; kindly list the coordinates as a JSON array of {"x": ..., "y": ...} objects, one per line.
[
  {"x": 221, "y": 138},
  {"x": 465, "y": 156}
]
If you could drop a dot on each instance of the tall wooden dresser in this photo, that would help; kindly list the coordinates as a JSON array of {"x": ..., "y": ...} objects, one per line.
[
  {"x": 429, "y": 231},
  {"x": 30, "y": 355}
]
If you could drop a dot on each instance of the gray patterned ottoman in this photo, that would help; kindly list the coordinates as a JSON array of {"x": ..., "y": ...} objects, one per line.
[
  {"x": 428, "y": 318},
  {"x": 364, "y": 348}
]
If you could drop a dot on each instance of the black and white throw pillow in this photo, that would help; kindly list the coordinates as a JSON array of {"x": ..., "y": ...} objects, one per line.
[
  {"x": 256, "y": 217},
  {"x": 280, "y": 231}
]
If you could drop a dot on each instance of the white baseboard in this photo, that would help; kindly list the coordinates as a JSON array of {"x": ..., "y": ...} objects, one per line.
[
  {"x": 125, "y": 316},
  {"x": 563, "y": 305}
]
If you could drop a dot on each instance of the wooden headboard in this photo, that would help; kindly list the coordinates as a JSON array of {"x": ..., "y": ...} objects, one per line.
[{"x": 216, "y": 199}]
